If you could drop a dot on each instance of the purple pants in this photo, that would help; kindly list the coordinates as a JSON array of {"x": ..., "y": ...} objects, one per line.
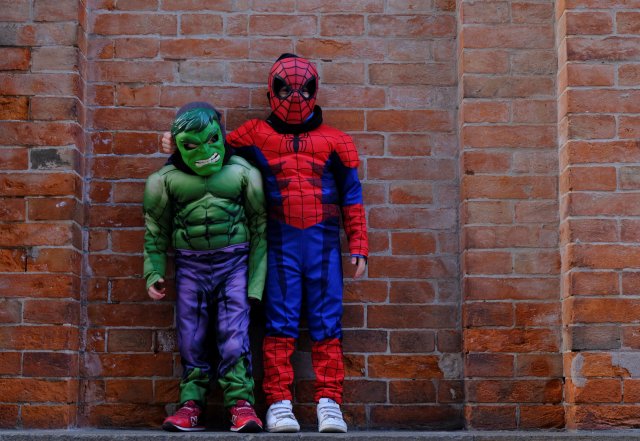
[{"x": 212, "y": 291}]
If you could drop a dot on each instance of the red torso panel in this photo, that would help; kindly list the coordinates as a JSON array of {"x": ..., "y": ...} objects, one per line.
[{"x": 299, "y": 164}]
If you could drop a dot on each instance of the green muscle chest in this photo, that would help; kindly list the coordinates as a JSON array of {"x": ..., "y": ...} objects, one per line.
[{"x": 208, "y": 211}]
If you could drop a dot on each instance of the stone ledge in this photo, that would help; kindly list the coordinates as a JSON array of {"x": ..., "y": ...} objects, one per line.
[{"x": 158, "y": 435}]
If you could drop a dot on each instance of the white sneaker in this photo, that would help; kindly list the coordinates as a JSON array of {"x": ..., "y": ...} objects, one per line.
[
  {"x": 330, "y": 417},
  {"x": 280, "y": 418}
]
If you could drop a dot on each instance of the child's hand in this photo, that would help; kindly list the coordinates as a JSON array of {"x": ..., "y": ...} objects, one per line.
[
  {"x": 157, "y": 290},
  {"x": 167, "y": 143},
  {"x": 361, "y": 264}
]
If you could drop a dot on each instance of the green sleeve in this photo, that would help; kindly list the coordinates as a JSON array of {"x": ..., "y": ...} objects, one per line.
[
  {"x": 254, "y": 206},
  {"x": 157, "y": 221}
]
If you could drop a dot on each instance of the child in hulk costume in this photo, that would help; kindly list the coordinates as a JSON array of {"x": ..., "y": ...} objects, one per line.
[
  {"x": 311, "y": 178},
  {"x": 209, "y": 205}
]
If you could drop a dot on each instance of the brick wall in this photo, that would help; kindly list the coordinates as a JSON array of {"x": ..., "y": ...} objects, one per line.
[
  {"x": 598, "y": 79},
  {"x": 501, "y": 230},
  {"x": 509, "y": 215},
  {"x": 41, "y": 146}
]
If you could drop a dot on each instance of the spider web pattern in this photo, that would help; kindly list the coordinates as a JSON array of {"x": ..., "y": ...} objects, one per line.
[
  {"x": 278, "y": 371},
  {"x": 326, "y": 357},
  {"x": 314, "y": 174},
  {"x": 295, "y": 72}
]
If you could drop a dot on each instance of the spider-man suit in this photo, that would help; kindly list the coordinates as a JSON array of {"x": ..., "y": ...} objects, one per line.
[{"x": 310, "y": 176}]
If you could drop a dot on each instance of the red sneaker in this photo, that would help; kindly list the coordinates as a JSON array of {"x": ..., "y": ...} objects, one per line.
[
  {"x": 244, "y": 418},
  {"x": 186, "y": 419}
]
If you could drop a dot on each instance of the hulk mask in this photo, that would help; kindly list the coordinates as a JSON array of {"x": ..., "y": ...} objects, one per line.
[{"x": 199, "y": 138}]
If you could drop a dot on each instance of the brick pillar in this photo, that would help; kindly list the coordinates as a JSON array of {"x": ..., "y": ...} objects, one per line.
[
  {"x": 40, "y": 196},
  {"x": 599, "y": 119},
  {"x": 509, "y": 215}
]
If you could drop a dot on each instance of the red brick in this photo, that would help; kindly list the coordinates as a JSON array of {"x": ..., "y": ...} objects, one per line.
[
  {"x": 34, "y": 234},
  {"x": 592, "y": 230},
  {"x": 538, "y": 365},
  {"x": 50, "y": 364},
  {"x": 198, "y": 5},
  {"x": 629, "y": 75},
  {"x": 603, "y": 101},
  {"x": 136, "y": 48},
  {"x": 409, "y": 121},
  {"x": 485, "y": 61},
  {"x": 14, "y": 108},
  {"x": 488, "y": 262},
  {"x": 132, "y": 71},
  {"x": 413, "y": 243},
  {"x": 516, "y": 391},
  {"x": 126, "y": 340},
  {"x": 211, "y": 48},
  {"x": 490, "y": 417},
  {"x": 282, "y": 25},
  {"x": 486, "y": 12},
  {"x": 509, "y": 136},
  {"x": 58, "y": 312},
  {"x": 14, "y": 58},
  {"x": 40, "y": 338},
  {"x": 512, "y": 187},
  {"x": 489, "y": 365},
  {"x": 414, "y": 316},
  {"x": 54, "y": 109},
  {"x": 418, "y": 417},
  {"x": 52, "y": 209},
  {"x": 604, "y": 256},
  {"x": 627, "y": 22},
  {"x": 149, "y": 315},
  {"x": 142, "y": 96},
  {"x": 581, "y": 74},
  {"x": 511, "y": 340},
  {"x": 589, "y": 310},
  {"x": 139, "y": 24},
  {"x": 531, "y": 12},
  {"x": 129, "y": 391},
  {"x": 110, "y": 265},
  {"x": 193, "y": 24},
  {"x": 47, "y": 416},
  {"x": 411, "y": 25},
  {"x": 412, "y": 341},
  {"x": 410, "y": 217},
  {"x": 516, "y": 288},
  {"x": 488, "y": 314},
  {"x": 410, "y": 267},
  {"x": 509, "y": 36},
  {"x": 594, "y": 283},
  {"x": 404, "y": 366},
  {"x": 439, "y": 74},
  {"x": 411, "y": 292},
  {"x": 10, "y": 364},
  {"x": 496, "y": 86},
  {"x": 542, "y": 417},
  {"x": 537, "y": 314},
  {"x": 630, "y": 282},
  {"x": 589, "y": 23},
  {"x": 9, "y": 415},
  {"x": 365, "y": 291},
  {"x": 485, "y": 111},
  {"x": 595, "y": 391},
  {"x": 128, "y": 365},
  {"x": 409, "y": 392},
  {"x": 13, "y": 260},
  {"x": 15, "y": 10},
  {"x": 612, "y": 48},
  {"x": 39, "y": 285}
]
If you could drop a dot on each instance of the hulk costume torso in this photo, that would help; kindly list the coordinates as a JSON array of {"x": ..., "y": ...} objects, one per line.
[{"x": 205, "y": 213}]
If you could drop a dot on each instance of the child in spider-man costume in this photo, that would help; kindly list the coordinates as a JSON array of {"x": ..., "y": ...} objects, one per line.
[{"x": 310, "y": 177}]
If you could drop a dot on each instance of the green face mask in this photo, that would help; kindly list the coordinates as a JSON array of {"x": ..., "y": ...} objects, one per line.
[{"x": 202, "y": 151}]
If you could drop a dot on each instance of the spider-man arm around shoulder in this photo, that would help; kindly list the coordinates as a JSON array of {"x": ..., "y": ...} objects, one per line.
[{"x": 353, "y": 215}]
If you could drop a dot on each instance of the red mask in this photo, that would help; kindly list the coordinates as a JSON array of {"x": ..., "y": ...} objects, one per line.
[{"x": 293, "y": 85}]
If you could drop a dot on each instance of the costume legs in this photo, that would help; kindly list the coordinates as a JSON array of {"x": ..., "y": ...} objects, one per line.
[
  {"x": 212, "y": 285},
  {"x": 304, "y": 262}
]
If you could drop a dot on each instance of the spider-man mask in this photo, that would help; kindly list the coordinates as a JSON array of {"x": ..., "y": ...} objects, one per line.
[{"x": 293, "y": 84}]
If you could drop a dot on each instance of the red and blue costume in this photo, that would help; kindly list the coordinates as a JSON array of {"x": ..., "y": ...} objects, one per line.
[{"x": 310, "y": 179}]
